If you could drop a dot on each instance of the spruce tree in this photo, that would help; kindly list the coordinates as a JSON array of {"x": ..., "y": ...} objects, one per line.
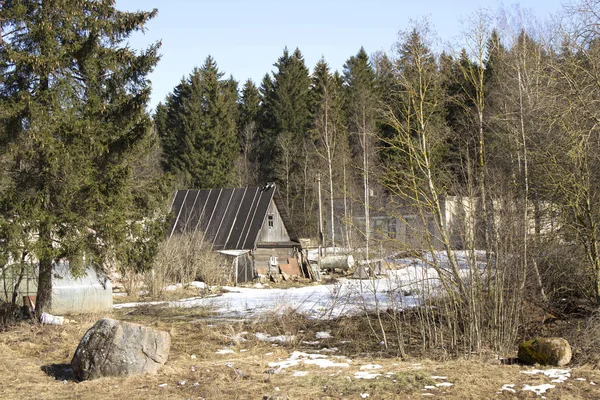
[
  {"x": 73, "y": 98},
  {"x": 248, "y": 109},
  {"x": 266, "y": 135},
  {"x": 285, "y": 122},
  {"x": 200, "y": 134}
]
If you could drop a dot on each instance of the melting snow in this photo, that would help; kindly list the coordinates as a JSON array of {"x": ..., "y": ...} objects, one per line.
[
  {"x": 225, "y": 351},
  {"x": 557, "y": 375},
  {"x": 447, "y": 384},
  {"x": 539, "y": 389},
  {"x": 345, "y": 297},
  {"x": 323, "y": 335},
  {"x": 300, "y": 373},
  {"x": 365, "y": 375},
  {"x": 441, "y": 378},
  {"x": 508, "y": 388},
  {"x": 328, "y": 350},
  {"x": 313, "y": 343},
  {"x": 326, "y": 363},
  {"x": 264, "y": 337},
  {"x": 299, "y": 357}
]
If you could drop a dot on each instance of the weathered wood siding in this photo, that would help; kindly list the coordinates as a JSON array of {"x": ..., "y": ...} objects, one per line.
[{"x": 275, "y": 233}]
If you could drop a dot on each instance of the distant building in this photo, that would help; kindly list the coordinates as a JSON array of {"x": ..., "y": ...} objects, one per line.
[
  {"x": 397, "y": 224},
  {"x": 248, "y": 224}
]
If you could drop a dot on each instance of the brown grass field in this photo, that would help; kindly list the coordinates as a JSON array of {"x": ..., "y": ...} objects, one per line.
[{"x": 34, "y": 358}]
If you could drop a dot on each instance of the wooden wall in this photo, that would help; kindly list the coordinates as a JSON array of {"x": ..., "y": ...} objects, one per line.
[{"x": 275, "y": 233}]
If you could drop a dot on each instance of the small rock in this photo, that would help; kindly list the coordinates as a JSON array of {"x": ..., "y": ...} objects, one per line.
[
  {"x": 181, "y": 383},
  {"x": 163, "y": 385}
]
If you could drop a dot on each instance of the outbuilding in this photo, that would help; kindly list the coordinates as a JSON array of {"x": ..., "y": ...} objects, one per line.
[{"x": 249, "y": 224}]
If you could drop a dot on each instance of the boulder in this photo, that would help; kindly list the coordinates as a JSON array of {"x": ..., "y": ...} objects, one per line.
[
  {"x": 545, "y": 351},
  {"x": 116, "y": 348}
]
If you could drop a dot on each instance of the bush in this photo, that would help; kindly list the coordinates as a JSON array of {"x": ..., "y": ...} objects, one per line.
[
  {"x": 186, "y": 258},
  {"x": 10, "y": 314}
]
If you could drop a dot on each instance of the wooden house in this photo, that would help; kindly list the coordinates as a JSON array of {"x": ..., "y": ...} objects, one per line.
[{"x": 248, "y": 224}]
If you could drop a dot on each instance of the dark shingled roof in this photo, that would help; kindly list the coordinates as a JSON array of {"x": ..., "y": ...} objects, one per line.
[{"x": 230, "y": 218}]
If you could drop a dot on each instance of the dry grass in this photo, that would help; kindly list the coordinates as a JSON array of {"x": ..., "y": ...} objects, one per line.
[{"x": 27, "y": 350}]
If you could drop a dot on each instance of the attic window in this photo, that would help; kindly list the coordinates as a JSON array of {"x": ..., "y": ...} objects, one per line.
[{"x": 271, "y": 221}]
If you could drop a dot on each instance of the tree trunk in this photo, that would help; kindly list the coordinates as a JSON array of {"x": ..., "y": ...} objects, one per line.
[
  {"x": 44, "y": 291},
  {"x": 366, "y": 184},
  {"x": 15, "y": 292}
]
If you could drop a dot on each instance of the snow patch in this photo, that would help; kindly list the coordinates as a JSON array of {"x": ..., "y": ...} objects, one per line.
[
  {"x": 313, "y": 343},
  {"x": 225, "y": 351},
  {"x": 557, "y": 375},
  {"x": 265, "y": 337},
  {"x": 172, "y": 288},
  {"x": 298, "y": 357},
  {"x": 197, "y": 285},
  {"x": 508, "y": 387},
  {"x": 323, "y": 335},
  {"x": 399, "y": 288},
  {"x": 539, "y": 389},
  {"x": 365, "y": 375}
]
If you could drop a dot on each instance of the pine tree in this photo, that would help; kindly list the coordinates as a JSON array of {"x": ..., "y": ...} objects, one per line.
[{"x": 73, "y": 100}]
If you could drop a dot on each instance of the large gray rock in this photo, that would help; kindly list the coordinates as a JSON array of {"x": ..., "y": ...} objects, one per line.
[
  {"x": 545, "y": 351},
  {"x": 116, "y": 348}
]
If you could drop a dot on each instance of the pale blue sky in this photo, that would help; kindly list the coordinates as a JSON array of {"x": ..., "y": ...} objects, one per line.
[{"x": 247, "y": 37}]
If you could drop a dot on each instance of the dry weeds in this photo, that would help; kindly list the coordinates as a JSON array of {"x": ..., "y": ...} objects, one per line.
[{"x": 33, "y": 358}]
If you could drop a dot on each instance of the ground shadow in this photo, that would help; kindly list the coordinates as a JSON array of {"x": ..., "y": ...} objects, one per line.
[
  {"x": 511, "y": 361},
  {"x": 60, "y": 372}
]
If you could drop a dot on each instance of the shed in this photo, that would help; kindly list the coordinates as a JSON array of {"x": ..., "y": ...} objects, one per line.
[{"x": 249, "y": 223}]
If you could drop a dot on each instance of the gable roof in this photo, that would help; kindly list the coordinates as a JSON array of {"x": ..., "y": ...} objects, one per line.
[{"x": 231, "y": 219}]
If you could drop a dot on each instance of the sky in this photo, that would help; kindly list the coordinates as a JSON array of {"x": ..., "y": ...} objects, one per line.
[{"x": 247, "y": 37}]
